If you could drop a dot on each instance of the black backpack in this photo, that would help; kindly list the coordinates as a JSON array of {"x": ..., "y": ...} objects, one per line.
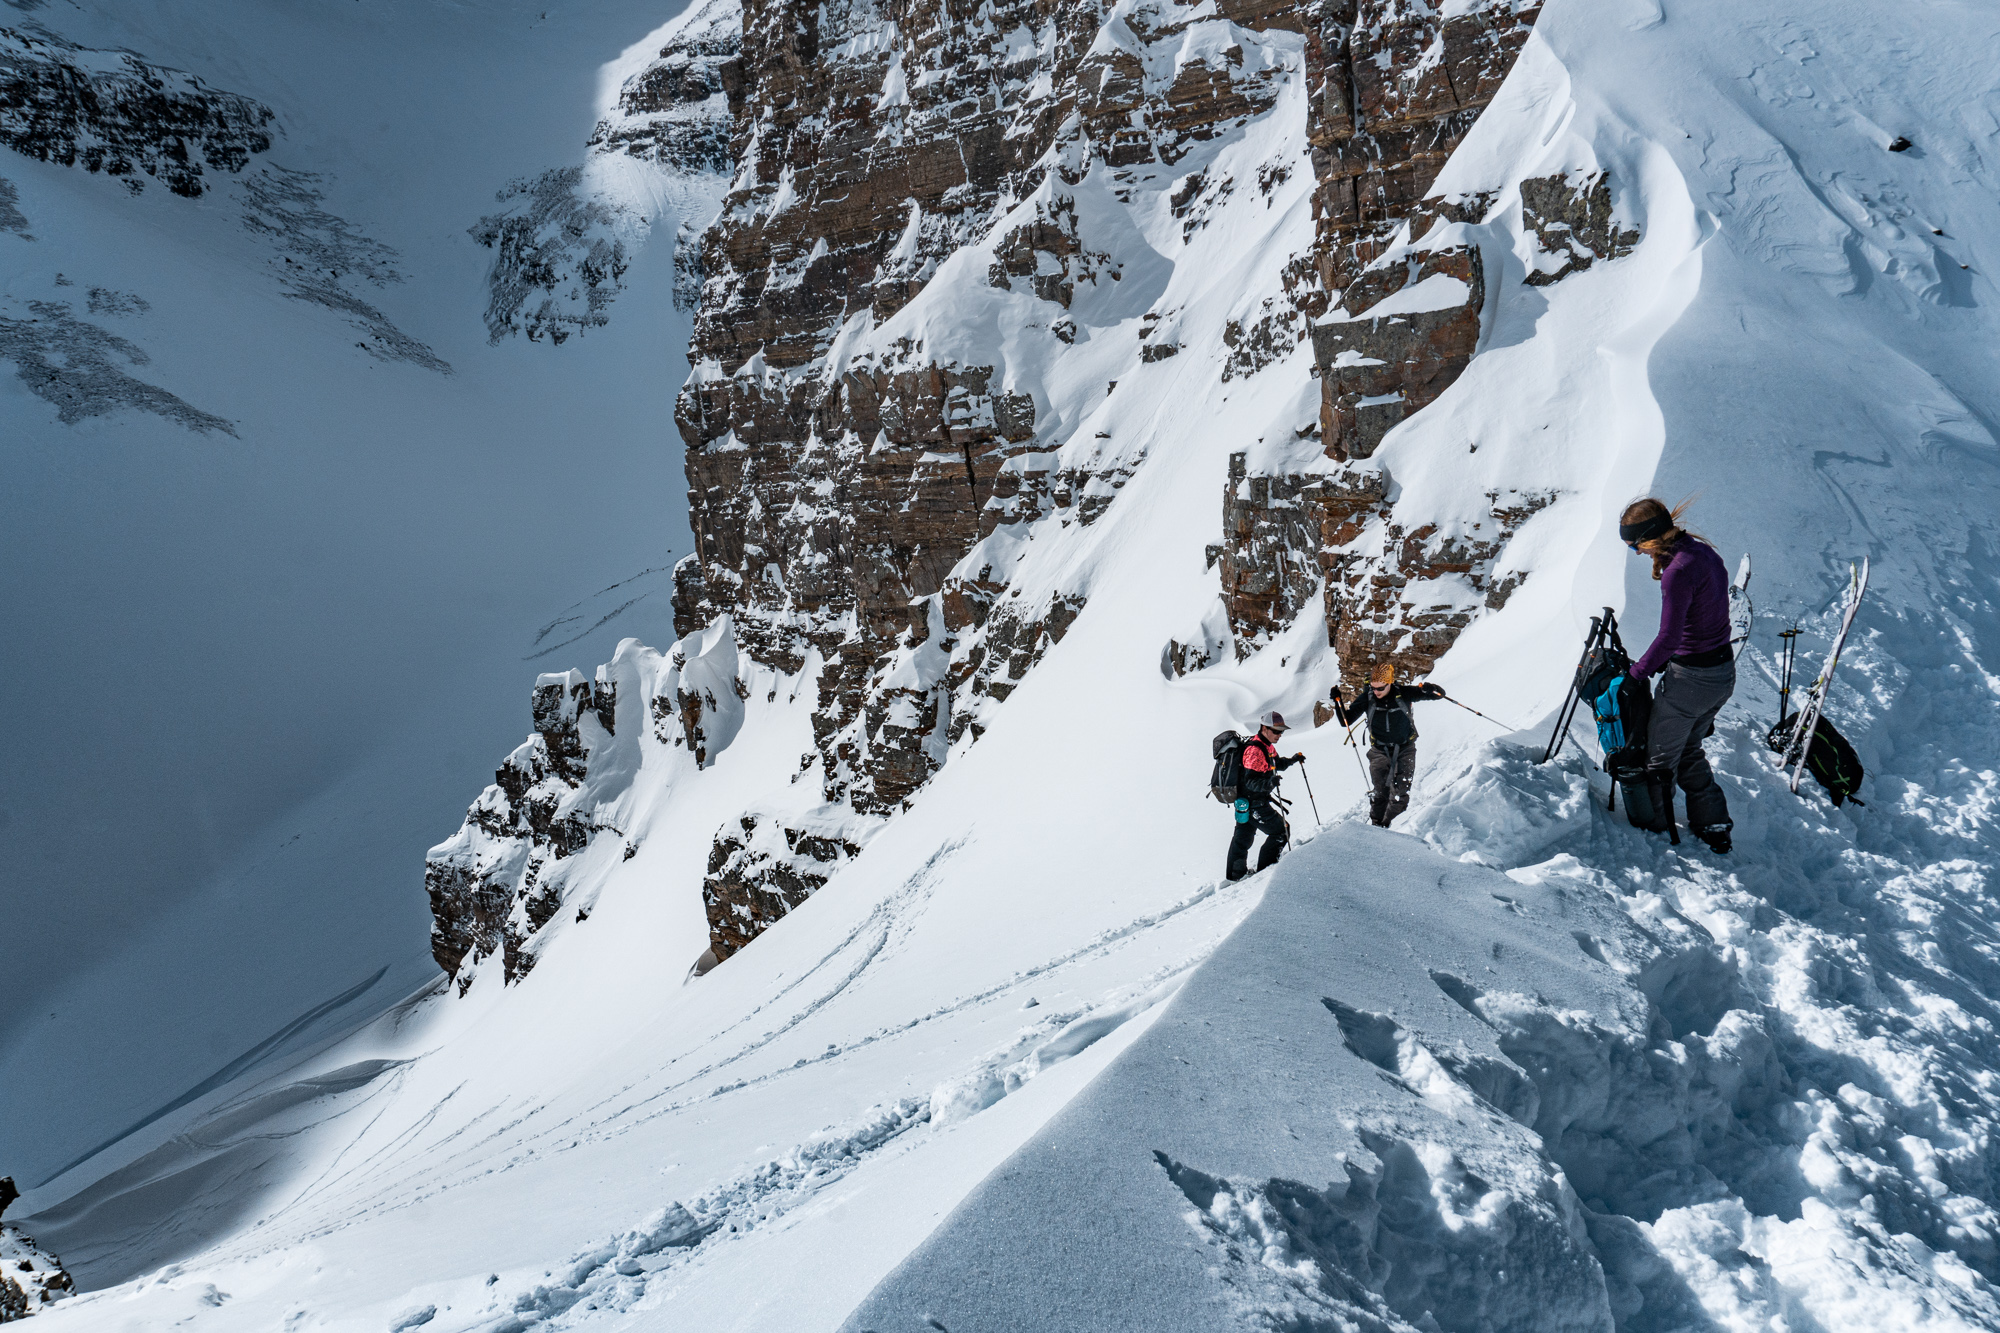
[
  {"x": 1227, "y": 775},
  {"x": 1621, "y": 706},
  {"x": 1623, "y": 710},
  {"x": 1829, "y": 758},
  {"x": 1390, "y": 722}
]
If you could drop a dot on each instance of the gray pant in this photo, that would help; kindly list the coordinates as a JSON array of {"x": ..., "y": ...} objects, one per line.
[
  {"x": 1391, "y": 769},
  {"x": 1685, "y": 702}
]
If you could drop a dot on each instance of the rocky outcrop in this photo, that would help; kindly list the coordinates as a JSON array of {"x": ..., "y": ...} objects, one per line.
[
  {"x": 112, "y": 112},
  {"x": 558, "y": 804},
  {"x": 1570, "y": 216},
  {"x": 84, "y": 369},
  {"x": 674, "y": 113},
  {"x": 1395, "y": 314},
  {"x": 560, "y": 255},
  {"x": 1413, "y": 328},
  {"x": 11, "y": 217},
  {"x": 490, "y": 886},
  {"x": 31, "y": 1279},
  {"x": 768, "y": 865},
  {"x": 564, "y": 239},
  {"x": 323, "y": 259}
]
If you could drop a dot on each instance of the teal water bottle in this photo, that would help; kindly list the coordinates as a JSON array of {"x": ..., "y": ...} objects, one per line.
[{"x": 1242, "y": 810}]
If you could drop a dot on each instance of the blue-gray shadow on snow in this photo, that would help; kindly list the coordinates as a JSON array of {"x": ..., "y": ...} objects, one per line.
[{"x": 236, "y": 1068}]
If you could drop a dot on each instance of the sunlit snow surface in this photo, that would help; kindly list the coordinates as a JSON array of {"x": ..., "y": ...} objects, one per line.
[{"x": 1762, "y": 1085}]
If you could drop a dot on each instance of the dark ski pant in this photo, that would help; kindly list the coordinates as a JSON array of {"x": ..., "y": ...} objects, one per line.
[
  {"x": 1391, "y": 769},
  {"x": 1685, "y": 702},
  {"x": 1265, "y": 817}
]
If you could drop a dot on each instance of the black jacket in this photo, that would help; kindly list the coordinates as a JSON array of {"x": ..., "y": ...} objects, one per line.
[{"x": 1390, "y": 721}]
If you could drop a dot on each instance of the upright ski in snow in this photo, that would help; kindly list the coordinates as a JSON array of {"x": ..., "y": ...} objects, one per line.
[
  {"x": 1795, "y": 757},
  {"x": 1741, "y": 613}
]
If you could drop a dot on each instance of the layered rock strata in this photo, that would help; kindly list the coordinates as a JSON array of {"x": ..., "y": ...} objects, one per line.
[
  {"x": 1394, "y": 318},
  {"x": 863, "y": 479},
  {"x": 836, "y": 486},
  {"x": 112, "y": 112},
  {"x": 1393, "y": 89}
]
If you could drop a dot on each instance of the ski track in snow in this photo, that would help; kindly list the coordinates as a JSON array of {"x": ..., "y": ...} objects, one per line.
[{"x": 498, "y": 1139}]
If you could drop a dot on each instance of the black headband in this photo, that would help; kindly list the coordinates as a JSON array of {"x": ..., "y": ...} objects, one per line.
[{"x": 1633, "y": 533}]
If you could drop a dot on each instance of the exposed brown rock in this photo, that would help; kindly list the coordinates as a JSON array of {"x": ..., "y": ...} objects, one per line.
[
  {"x": 1571, "y": 219},
  {"x": 1269, "y": 554},
  {"x": 1393, "y": 90},
  {"x": 762, "y": 870},
  {"x": 1375, "y": 372},
  {"x": 31, "y": 1278},
  {"x": 831, "y": 501}
]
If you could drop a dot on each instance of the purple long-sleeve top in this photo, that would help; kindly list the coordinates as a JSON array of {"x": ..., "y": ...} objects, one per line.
[{"x": 1694, "y": 607}]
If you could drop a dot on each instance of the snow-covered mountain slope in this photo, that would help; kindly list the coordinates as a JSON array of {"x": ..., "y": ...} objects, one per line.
[
  {"x": 1697, "y": 1092},
  {"x": 282, "y": 531}
]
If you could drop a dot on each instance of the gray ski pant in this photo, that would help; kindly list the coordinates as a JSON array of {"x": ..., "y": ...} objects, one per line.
[
  {"x": 1391, "y": 770},
  {"x": 1685, "y": 702}
]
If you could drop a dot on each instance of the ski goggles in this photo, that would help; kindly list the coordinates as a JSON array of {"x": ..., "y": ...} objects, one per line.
[{"x": 1634, "y": 533}]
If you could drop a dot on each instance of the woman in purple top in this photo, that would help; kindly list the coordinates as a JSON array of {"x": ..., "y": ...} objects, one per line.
[{"x": 1697, "y": 672}]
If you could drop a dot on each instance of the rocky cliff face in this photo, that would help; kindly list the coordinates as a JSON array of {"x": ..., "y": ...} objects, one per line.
[
  {"x": 835, "y": 493},
  {"x": 491, "y": 886},
  {"x": 840, "y": 478},
  {"x": 112, "y": 112},
  {"x": 1394, "y": 317},
  {"x": 933, "y": 213}
]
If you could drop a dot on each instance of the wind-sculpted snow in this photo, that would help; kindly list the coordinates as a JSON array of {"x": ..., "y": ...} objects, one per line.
[
  {"x": 81, "y": 367},
  {"x": 1835, "y": 991},
  {"x": 1336, "y": 1167}
]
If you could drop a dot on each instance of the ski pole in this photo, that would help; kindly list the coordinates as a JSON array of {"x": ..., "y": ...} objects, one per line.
[
  {"x": 1476, "y": 713},
  {"x": 1309, "y": 792},
  {"x": 1358, "y": 763},
  {"x": 1790, "y": 638},
  {"x": 1568, "y": 709}
]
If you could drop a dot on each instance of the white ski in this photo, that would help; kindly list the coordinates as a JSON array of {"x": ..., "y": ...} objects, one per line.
[
  {"x": 1808, "y": 716},
  {"x": 1741, "y": 613}
]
